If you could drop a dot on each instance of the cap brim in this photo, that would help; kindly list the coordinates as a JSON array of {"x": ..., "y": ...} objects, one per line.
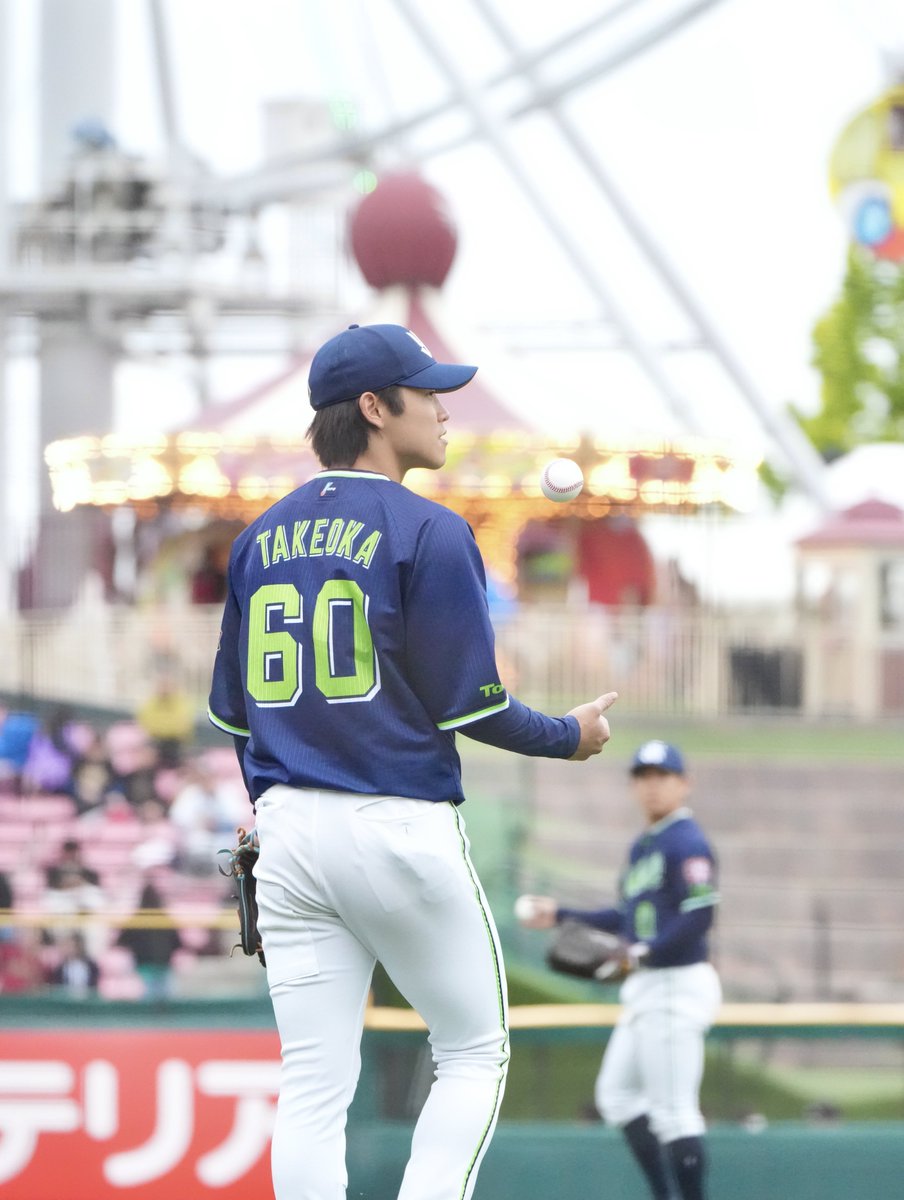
[{"x": 440, "y": 377}]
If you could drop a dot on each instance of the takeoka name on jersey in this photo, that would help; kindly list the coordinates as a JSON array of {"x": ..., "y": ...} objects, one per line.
[{"x": 336, "y": 537}]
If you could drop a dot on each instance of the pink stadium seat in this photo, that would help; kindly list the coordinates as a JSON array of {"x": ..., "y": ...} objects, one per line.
[
  {"x": 13, "y": 808},
  {"x": 28, "y": 887},
  {"x": 118, "y": 978},
  {"x": 16, "y": 844},
  {"x": 102, "y": 855},
  {"x": 44, "y": 807},
  {"x": 119, "y": 833}
]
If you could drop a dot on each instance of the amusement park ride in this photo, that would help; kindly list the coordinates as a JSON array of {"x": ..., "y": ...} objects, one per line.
[{"x": 115, "y": 256}]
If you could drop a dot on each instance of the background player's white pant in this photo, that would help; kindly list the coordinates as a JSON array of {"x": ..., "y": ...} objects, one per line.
[
  {"x": 654, "y": 1059},
  {"x": 344, "y": 880}
]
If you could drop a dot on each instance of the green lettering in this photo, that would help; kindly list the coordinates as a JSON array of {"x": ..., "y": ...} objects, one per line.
[
  {"x": 333, "y": 535},
  {"x": 280, "y": 544},
  {"x": 262, "y": 540},
  {"x": 346, "y": 543},
  {"x": 368, "y": 546},
  {"x": 298, "y": 550},
  {"x": 317, "y": 537}
]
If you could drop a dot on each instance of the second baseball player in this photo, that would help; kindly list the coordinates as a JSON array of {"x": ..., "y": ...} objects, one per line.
[{"x": 649, "y": 1082}]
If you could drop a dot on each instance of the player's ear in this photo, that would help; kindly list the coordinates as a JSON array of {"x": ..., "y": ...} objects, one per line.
[{"x": 372, "y": 409}]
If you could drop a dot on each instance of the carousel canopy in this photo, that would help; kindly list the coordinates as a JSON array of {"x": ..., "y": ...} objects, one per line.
[{"x": 237, "y": 457}]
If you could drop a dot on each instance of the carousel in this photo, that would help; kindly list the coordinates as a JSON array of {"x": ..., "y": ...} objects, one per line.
[{"x": 196, "y": 486}]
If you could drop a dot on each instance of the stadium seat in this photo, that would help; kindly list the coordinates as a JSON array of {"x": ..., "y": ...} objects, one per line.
[
  {"x": 118, "y": 977},
  {"x": 46, "y": 807}
]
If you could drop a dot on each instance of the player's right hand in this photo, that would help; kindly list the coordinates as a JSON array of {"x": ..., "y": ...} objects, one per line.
[
  {"x": 536, "y": 912},
  {"x": 594, "y": 726}
]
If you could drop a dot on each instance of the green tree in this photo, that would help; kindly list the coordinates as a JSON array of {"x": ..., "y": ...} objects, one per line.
[{"x": 859, "y": 351}]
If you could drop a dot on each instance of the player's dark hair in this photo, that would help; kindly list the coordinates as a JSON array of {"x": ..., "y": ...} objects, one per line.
[{"x": 340, "y": 433}]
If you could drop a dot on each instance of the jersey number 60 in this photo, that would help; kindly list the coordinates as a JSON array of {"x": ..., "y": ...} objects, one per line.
[{"x": 275, "y": 655}]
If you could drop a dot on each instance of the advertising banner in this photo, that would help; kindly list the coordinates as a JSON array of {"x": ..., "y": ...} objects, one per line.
[{"x": 98, "y": 1114}]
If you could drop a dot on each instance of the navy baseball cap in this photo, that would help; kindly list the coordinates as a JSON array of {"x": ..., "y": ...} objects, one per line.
[
  {"x": 366, "y": 358},
  {"x": 660, "y": 755}
]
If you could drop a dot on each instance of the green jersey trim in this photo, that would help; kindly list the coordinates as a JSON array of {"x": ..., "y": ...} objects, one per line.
[
  {"x": 225, "y": 726},
  {"x": 353, "y": 475},
  {"x": 694, "y": 902},
  {"x": 457, "y": 722}
]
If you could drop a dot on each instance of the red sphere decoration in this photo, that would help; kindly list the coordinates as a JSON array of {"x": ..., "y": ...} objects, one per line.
[{"x": 401, "y": 233}]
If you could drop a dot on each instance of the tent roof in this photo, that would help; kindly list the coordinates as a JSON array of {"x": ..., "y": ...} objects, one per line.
[
  {"x": 281, "y": 403},
  {"x": 872, "y": 523}
]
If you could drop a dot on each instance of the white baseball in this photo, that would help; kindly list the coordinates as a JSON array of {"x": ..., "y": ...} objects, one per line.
[
  {"x": 525, "y": 908},
  {"x": 561, "y": 480}
]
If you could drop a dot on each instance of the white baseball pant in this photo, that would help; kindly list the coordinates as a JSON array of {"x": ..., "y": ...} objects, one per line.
[
  {"x": 343, "y": 881},
  {"x": 653, "y": 1062}
]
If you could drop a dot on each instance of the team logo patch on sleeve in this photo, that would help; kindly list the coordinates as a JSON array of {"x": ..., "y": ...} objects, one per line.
[{"x": 697, "y": 870}]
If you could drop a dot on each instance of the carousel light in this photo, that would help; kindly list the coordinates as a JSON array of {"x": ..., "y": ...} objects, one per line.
[
  {"x": 120, "y": 445},
  {"x": 614, "y": 473},
  {"x": 148, "y": 478},
  {"x": 203, "y": 477},
  {"x": 70, "y": 451},
  {"x": 739, "y": 486},
  {"x": 110, "y": 491},
  {"x": 71, "y": 485},
  {"x": 198, "y": 444},
  {"x": 652, "y": 492},
  {"x": 253, "y": 487},
  {"x": 707, "y": 483},
  {"x": 496, "y": 486}
]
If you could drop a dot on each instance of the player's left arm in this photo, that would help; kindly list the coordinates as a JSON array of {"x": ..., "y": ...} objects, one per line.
[
  {"x": 451, "y": 654},
  {"x": 226, "y": 706},
  {"x": 692, "y": 881}
]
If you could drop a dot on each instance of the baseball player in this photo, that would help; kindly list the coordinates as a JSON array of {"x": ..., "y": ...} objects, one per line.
[
  {"x": 649, "y": 1082},
  {"x": 355, "y": 643}
]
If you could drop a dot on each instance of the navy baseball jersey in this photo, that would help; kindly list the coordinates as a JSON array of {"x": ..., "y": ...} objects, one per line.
[
  {"x": 667, "y": 893},
  {"x": 356, "y": 640}
]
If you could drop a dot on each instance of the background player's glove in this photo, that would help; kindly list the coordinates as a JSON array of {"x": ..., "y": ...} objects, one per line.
[
  {"x": 241, "y": 868},
  {"x": 578, "y": 949}
]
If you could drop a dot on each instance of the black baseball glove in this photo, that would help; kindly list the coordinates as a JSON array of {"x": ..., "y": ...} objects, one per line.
[
  {"x": 579, "y": 949},
  {"x": 241, "y": 868}
]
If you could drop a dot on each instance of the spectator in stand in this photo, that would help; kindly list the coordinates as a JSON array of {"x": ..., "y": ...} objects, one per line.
[
  {"x": 77, "y": 972},
  {"x": 16, "y": 731},
  {"x": 53, "y": 752},
  {"x": 208, "y": 584},
  {"x": 69, "y": 872},
  {"x": 206, "y": 811},
  {"x": 168, "y": 717},
  {"x": 93, "y": 777},
  {"x": 92, "y": 784},
  {"x": 73, "y": 889},
  {"x": 6, "y": 899},
  {"x": 157, "y": 846},
  {"x": 152, "y": 946},
  {"x": 22, "y": 966}
]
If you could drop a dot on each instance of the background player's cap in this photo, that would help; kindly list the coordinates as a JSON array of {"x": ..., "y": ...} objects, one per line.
[
  {"x": 660, "y": 755},
  {"x": 365, "y": 358}
]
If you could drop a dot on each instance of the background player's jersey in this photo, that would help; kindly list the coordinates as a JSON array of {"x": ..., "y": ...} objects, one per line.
[
  {"x": 356, "y": 639},
  {"x": 667, "y": 893}
]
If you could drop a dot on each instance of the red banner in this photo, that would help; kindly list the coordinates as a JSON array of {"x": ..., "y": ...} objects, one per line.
[{"x": 108, "y": 1113}]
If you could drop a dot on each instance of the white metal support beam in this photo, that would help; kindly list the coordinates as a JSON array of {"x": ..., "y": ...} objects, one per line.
[
  {"x": 805, "y": 463},
  {"x": 495, "y": 133}
]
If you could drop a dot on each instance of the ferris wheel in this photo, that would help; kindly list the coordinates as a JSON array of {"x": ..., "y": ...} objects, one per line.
[{"x": 109, "y": 258}]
